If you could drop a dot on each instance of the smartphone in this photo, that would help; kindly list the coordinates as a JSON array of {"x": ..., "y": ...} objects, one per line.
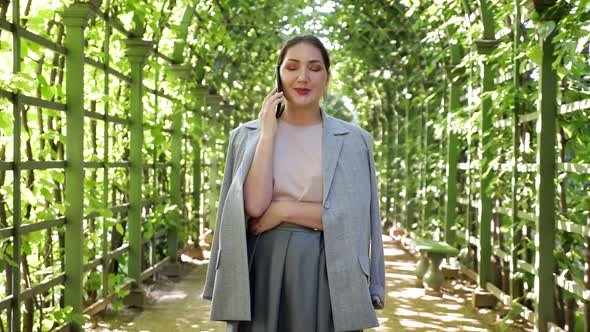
[{"x": 280, "y": 106}]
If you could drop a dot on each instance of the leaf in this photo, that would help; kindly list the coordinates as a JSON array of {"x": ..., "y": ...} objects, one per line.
[
  {"x": 582, "y": 43},
  {"x": 46, "y": 193},
  {"x": 6, "y": 121},
  {"x": 545, "y": 28},
  {"x": 105, "y": 212},
  {"x": 148, "y": 234},
  {"x": 8, "y": 258},
  {"x": 535, "y": 53},
  {"x": 119, "y": 228},
  {"x": 58, "y": 177},
  {"x": 28, "y": 196}
]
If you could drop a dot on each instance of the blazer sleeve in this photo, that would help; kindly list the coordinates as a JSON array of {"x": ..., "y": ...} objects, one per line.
[
  {"x": 227, "y": 180},
  {"x": 377, "y": 279}
]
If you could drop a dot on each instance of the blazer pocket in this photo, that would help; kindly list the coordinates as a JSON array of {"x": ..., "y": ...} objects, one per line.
[
  {"x": 364, "y": 263},
  {"x": 218, "y": 259}
]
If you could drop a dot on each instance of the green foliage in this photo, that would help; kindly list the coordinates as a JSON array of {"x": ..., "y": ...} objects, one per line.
[
  {"x": 67, "y": 315},
  {"x": 119, "y": 290},
  {"x": 393, "y": 63}
]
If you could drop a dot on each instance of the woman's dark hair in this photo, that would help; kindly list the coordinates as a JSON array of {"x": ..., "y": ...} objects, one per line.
[{"x": 310, "y": 39}]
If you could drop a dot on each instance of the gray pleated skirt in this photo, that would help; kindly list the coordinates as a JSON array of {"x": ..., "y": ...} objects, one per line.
[{"x": 288, "y": 282}]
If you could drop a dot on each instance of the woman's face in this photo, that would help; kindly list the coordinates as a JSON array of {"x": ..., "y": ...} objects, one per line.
[{"x": 304, "y": 75}]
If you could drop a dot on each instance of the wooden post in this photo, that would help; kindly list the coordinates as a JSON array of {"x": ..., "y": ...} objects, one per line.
[
  {"x": 75, "y": 18},
  {"x": 14, "y": 315},
  {"x": 137, "y": 52},
  {"x": 453, "y": 146},
  {"x": 545, "y": 180},
  {"x": 485, "y": 46},
  {"x": 516, "y": 231}
]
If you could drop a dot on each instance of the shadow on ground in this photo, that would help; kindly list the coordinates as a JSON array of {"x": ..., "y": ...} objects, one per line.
[{"x": 177, "y": 306}]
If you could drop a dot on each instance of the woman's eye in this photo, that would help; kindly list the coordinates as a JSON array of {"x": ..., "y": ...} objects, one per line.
[
  {"x": 291, "y": 68},
  {"x": 316, "y": 69}
]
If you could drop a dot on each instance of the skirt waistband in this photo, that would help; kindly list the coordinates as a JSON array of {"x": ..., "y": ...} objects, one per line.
[{"x": 295, "y": 228}]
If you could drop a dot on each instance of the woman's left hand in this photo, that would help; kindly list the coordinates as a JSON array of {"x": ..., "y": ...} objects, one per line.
[{"x": 270, "y": 219}]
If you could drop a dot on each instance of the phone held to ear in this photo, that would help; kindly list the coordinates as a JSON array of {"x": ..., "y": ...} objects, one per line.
[{"x": 280, "y": 106}]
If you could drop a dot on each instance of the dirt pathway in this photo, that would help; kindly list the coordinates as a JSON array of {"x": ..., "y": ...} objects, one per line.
[{"x": 176, "y": 306}]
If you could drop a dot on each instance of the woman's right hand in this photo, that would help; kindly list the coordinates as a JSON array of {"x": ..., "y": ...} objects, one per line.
[{"x": 267, "y": 115}]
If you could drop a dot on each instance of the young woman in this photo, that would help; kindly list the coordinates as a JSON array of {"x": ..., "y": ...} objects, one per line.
[{"x": 297, "y": 243}]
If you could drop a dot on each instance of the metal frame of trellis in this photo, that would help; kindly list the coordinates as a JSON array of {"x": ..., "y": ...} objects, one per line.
[{"x": 75, "y": 19}]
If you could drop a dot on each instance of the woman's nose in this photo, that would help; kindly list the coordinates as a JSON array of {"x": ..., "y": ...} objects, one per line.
[{"x": 303, "y": 75}]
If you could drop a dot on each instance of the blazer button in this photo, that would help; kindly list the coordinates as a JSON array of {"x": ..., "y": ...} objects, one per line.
[{"x": 327, "y": 205}]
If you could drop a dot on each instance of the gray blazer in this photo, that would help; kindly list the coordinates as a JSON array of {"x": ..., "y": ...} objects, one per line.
[{"x": 351, "y": 220}]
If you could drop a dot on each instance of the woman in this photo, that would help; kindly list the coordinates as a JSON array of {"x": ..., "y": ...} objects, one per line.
[{"x": 298, "y": 214}]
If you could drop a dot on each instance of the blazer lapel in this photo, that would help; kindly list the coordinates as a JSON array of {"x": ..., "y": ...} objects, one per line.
[{"x": 332, "y": 139}]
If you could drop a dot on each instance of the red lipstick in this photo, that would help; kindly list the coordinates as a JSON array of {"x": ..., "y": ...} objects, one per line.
[{"x": 302, "y": 91}]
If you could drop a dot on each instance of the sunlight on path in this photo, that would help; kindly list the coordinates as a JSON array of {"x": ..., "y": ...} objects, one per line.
[
  {"x": 408, "y": 309},
  {"x": 171, "y": 306},
  {"x": 176, "y": 306}
]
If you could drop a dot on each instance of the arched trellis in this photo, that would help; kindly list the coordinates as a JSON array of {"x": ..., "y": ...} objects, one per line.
[{"x": 414, "y": 120}]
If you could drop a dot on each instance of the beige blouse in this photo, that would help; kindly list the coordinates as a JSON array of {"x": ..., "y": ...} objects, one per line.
[{"x": 297, "y": 163}]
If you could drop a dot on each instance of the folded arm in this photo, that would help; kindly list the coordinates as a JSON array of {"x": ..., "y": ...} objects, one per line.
[{"x": 305, "y": 214}]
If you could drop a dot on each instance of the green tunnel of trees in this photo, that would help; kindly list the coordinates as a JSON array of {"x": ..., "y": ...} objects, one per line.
[{"x": 114, "y": 117}]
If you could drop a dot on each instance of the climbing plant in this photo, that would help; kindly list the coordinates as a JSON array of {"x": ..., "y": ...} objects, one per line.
[{"x": 457, "y": 151}]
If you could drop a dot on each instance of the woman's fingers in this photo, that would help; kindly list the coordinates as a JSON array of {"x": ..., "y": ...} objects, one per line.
[
  {"x": 256, "y": 227},
  {"x": 272, "y": 92},
  {"x": 272, "y": 95},
  {"x": 274, "y": 99},
  {"x": 270, "y": 104},
  {"x": 273, "y": 106},
  {"x": 267, "y": 114},
  {"x": 268, "y": 97},
  {"x": 253, "y": 225}
]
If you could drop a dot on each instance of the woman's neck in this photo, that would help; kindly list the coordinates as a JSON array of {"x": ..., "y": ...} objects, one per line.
[{"x": 302, "y": 116}]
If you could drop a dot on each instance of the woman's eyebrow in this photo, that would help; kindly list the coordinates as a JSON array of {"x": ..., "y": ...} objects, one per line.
[{"x": 311, "y": 61}]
